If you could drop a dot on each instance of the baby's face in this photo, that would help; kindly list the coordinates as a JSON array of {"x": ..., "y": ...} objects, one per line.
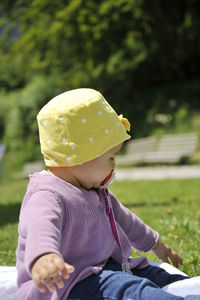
[{"x": 92, "y": 174}]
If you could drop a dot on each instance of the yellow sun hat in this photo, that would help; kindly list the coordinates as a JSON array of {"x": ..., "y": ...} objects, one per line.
[{"x": 78, "y": 126}]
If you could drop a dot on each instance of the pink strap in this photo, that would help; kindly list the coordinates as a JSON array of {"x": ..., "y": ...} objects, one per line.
[{"x": 110, "y": 214}]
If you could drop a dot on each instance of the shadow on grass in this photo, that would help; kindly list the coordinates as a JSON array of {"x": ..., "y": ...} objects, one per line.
[
  {"x": 9, "y": 213},
  {"x": 147, "y": 204}
]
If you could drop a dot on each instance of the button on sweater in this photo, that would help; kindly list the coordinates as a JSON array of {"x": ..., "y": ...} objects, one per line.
[{"x": 56, "y": 217}]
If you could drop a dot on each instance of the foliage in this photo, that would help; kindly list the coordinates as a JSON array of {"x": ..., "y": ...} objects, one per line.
[
  {"x": 107, "y": 44},
  {"x": 18, "y": 116},
  {"x": 143, "y": 55}
]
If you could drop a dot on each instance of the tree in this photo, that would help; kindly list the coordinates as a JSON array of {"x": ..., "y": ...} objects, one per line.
[{"x": 139, "y": 53}]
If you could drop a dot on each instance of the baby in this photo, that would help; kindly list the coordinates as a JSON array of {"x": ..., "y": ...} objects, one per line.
[{"x": 75, "y": 237}]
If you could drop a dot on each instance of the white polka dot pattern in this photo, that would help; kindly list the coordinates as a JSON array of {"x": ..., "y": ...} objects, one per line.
[
  {"x": 61, "y": 119},
  {"x": 83, "y": 120},
  {"x": 78, "y": 126}
]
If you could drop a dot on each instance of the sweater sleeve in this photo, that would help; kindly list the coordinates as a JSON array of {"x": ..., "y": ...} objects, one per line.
[
  {"x": 141, "y": 236},
  {"x": 40, "y": 225}
]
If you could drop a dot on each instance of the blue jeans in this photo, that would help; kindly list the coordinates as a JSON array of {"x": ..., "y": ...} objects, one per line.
[{"x": 113, "y": 284}]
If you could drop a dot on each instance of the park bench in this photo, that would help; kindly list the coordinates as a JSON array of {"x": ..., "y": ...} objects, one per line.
[
  {"x": 170, "y": 148},
  {"x": 29, "y": 168},
  {"x": 2, "y": 151}
]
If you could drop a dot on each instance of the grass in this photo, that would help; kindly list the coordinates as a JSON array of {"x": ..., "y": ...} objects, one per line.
[
  {"x": 170, "y": 206},
  {"x": 11, "y": 195}
]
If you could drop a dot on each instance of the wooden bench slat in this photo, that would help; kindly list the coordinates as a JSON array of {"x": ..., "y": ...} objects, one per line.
[
  {"x": 170, "y": 148},
  {"x": 32, "y": 167},
  {"x": 2, "y": 151},
  {"x": 144, "y": 144}
]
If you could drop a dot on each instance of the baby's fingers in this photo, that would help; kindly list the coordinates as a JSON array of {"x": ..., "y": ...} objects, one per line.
[
  {"x": 39, "y": 283},
  {"x": 176, "y": 260},
  {"x": 67, "y": 270},
  {"x": 49, "y": 284},
  {"x": 165, "y": 259},
  {"x": 63, "y": 268},
  {"x": 58, "y": 281},
  {"x": 48, "y": 271},
  {"x": 44, "y": 278}
]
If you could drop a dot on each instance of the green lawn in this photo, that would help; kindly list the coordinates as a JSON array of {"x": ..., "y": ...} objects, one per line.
[
  {"x": 11, "y": 195},
  {"x": 170, "y": 206}
]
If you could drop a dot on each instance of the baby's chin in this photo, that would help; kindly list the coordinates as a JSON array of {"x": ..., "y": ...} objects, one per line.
[
  {"x": 97, "y": 186},
  {"x": 91, "y": 186}
]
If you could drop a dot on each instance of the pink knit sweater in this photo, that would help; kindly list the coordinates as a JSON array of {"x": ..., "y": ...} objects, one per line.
[{"x": 57, "y": 217}]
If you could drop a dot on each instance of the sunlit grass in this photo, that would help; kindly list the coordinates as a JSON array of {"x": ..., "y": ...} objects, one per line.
[
  {"x": 171, "y": 207},
  {"x": 11, "y": 195}
]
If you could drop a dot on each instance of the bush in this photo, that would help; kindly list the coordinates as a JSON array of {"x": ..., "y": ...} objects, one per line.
[{"x": 18, "y": 117}]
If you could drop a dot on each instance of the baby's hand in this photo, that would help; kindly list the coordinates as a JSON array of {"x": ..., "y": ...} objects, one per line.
[
  {"x": 165, "y": 253},
  {"x": 48, "y": 269}
]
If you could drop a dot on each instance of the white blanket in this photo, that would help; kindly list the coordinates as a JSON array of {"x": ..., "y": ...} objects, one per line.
[
  {"x": 190, "y": 286},
  {"x": 8, "y": 282}
]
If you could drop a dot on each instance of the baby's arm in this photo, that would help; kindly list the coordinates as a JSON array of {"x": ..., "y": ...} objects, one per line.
[
  {"x": 47, "y": 271},
  {"x": 141, "y": 235},
  {"x": 41, "y": 222},
  {"x": 165, "y": 253}
]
